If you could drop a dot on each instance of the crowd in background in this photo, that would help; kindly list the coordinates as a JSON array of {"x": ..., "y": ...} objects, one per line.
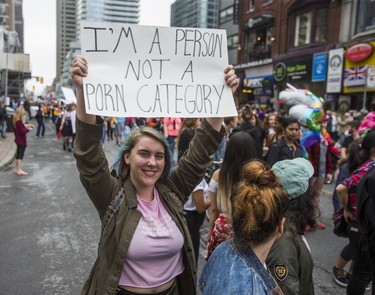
[{"x": 344, "y": 153}]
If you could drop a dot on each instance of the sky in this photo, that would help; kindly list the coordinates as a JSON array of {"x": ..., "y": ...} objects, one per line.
[{"x": 40, "y": 33}]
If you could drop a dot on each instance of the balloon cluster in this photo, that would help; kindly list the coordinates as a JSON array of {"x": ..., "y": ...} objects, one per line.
[{"x": 305, "y": 106}]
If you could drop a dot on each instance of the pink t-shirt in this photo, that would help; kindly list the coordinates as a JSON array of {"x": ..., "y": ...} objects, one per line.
[{"x": 155, "y": 252}]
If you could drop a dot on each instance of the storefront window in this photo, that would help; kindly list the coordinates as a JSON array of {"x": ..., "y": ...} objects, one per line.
[
  {"x": 310, "y": 26},
  {"x": 321, "y": 25},
  {"x": 232, "y": 41},
  {"x": 302, "y": 29},
  {"x": 259, "y": 44},
  {"x": 226, "y": 14},
  {"x": 3, "y": 9},
  {"x": 251, "y": 5},
  {"x": 366, "y": 16}
]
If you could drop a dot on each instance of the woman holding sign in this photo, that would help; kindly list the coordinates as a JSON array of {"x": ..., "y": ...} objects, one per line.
[{"x": 145, "y": 247}]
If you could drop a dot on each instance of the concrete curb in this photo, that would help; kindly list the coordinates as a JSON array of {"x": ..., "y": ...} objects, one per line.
[
  {"x": 6, "y": 162},
  {"x": 7, "y": 151}
]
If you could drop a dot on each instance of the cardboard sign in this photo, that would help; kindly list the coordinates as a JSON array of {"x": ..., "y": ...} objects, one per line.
[
  {"x": 69, "y": 95},
  {"x": 147, "y": 71}
]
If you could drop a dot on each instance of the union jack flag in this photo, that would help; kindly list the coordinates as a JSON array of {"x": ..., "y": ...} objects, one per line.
[{"x": 355, "y": 76}]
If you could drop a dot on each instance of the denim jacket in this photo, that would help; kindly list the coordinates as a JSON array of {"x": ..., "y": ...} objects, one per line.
[{"x": 233, "y": 268}]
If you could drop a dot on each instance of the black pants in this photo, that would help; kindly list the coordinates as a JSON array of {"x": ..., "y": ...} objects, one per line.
[
  {"x": 194, "y": 221},
  {"x": 20, "y": 152},
  {"x": 361, "y": 264}
]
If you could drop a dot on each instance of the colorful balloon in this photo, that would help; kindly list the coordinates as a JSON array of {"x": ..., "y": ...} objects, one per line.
[{"x": 306, "y": 107}]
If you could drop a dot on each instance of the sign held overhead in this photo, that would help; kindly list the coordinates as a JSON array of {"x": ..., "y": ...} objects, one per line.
[{"x": 151, "y": 71}]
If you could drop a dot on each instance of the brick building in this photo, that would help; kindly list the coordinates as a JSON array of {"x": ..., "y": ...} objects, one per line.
[{"x": 279, "y": 41}]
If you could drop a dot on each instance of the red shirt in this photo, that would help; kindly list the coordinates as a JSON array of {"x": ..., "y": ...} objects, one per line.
[
  {"x": 314, "y": 158},
  {"x": 351, "y": 184},
  {"x": 20, "y": 131}
]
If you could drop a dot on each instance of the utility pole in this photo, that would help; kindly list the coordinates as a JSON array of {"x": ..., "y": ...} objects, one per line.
[
  {"x": 365, "y": 90},
  {"x": 6, "y": 74}
]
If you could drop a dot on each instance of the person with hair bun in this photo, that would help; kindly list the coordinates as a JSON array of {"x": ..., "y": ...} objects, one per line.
[{"x": 259, "y": 206}]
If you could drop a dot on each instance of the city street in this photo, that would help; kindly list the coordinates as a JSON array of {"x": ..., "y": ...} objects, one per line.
[{"x": 50, "y": 230}]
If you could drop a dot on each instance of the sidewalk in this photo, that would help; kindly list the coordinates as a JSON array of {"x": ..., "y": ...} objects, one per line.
[{"x": 7, "y": 150}]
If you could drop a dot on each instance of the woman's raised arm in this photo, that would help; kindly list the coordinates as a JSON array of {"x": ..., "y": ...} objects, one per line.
[{"x": 78, "y": 72}]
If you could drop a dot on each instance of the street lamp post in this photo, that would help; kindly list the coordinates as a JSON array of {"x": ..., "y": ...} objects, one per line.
[{"x": 6, "y": 75}]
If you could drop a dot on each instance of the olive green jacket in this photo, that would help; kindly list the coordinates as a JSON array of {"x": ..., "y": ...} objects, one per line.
[
  {"x": 116, "y": 203},
  {"x": 291, "y": 264}
]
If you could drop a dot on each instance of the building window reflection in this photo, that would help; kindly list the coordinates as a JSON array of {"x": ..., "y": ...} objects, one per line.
[
  {"x": 310, "y": 27},
  {"x": 259, "y": 44}
]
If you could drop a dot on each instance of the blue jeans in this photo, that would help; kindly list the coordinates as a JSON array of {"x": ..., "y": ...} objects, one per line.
[
  {"x": 171, "y": 144},
  {"x": 219, "y": 155},
  {"x": 194, "y": 221},
  {"x": 3, "y": 127},
  {"x": 42, "y": 127},
  {"x": 343, "y": 173}
]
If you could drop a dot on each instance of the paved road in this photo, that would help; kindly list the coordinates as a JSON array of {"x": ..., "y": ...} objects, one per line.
[{"x": 49, "y": 229}]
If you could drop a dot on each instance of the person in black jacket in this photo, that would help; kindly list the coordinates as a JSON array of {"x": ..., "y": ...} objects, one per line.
[
  {"x": 288, "y": 146},
  {"x": 366, "y": 220},
  {"x": 256, "y": 133},
  {"x": 40, "y": 119},
  {"x": 3, "y": 119}
]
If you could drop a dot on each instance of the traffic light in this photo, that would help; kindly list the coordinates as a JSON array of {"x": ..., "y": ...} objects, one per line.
[{"x": 41, "y": 80}]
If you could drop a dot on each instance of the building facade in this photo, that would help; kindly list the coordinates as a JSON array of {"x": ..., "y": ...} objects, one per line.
[
  {"x": 357, "y": 44},
  {"x": 65, "y": 31},
  {"x": 14, "y": 64},
  {"x": 195, "y": 14},
  {"x": 228, "y": 20},
  {"x": 280, "y": 41},
  {"x": 119, "y": 11},
  {"x": 115, "y": 11}
]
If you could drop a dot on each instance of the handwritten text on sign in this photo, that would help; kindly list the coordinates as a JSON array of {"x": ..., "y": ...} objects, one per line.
[{"x": 150, "y": 71}]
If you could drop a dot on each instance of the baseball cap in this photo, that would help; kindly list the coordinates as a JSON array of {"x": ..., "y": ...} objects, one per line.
[{"x": 294, "y": 175}]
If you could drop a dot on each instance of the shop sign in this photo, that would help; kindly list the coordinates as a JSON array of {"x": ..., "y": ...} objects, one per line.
[
  {"x": 259, "y": 20},
  {"x": 279, "y": 72},
  {"x": 371, "y": 77},
  {"x": 334, "y": 74},
  {"x": 253, "y": 21},
  {"x": 319, "y": 67},
  {"x": 357, "y": 76},
  {"x": 258, "y": 82},
  {"x": 359, "y": 51},
  {"x": 331, "y": 97},
  {"x": 293, "y": 70}
]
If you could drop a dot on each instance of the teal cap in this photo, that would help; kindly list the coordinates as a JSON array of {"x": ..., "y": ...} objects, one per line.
[{"x": 294, "y": 175}]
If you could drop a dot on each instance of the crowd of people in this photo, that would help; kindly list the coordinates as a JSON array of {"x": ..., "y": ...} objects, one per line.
[{"x": 262, "y": 199}]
